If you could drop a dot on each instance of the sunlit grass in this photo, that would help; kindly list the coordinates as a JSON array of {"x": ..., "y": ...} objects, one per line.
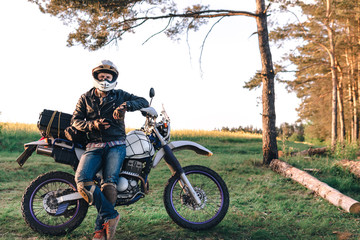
[
  {"x": 8, "y": 126},
  {"x": 14, "y": 135},
  {"x": 213, "y": 133},
  {"x": 18, "y": 127}
]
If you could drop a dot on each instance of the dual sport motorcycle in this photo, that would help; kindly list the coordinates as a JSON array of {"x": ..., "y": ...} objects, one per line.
[{"x": 195, "y": 196}]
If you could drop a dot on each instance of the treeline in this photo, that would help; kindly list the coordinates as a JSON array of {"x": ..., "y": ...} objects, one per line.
[
  {"x": 292, "y": 132},
  {"x": 322, "y": 39},
  {"x": 248, "y": 129}
]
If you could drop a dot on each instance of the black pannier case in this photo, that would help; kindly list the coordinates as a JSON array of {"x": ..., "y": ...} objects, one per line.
[
  {"x": 53, "y": 123},
  {"x": 65, "y": 156}
]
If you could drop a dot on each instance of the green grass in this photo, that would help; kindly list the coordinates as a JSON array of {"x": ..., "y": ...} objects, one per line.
[
  {"x": 263, "y": 204},
  {"x": 14, "y": 135}
]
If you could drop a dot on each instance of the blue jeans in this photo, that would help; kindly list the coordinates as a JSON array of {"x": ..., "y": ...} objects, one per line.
[{"x": 110, "y": 159}]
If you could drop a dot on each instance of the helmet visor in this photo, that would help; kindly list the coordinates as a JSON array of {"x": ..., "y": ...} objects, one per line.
[{"x": 109, "y": 76}]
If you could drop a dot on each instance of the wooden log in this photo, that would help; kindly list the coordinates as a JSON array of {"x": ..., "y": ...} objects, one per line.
[
  {"x": 311, "y": 152},
  {"x": 322, "y": 189},
  {"x": 352, "y": 166}
]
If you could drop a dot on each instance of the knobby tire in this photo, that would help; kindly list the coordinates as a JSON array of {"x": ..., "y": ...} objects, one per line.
[
  {"x": 34, "y": 215},
  {"x": 212, "y": 191}
]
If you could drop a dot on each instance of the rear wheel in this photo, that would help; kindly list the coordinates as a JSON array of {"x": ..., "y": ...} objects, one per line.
[
  {"x": 212, "y": 192},
  {"x": 41, "y": 210}
]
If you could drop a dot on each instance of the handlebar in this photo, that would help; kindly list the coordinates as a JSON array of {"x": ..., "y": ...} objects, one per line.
[
  {"x": 163, "y": 126},
  {"x": 149, "y": 111}
]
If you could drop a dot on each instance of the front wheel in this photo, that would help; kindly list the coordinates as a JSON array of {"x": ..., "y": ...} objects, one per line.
[
  {"x": 40, "y": 207},
  {"x": 212, "y": 192}
]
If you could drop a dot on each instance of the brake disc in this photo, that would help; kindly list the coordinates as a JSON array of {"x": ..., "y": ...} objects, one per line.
[
  {"x": 50, "y": 203},
  {"x": 187, "y": 200}
]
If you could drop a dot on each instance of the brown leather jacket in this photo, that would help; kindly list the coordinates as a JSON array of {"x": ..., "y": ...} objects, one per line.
[{"x": 90, "y": 107}]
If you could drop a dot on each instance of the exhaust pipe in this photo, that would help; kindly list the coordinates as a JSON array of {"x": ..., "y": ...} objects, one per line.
[{"x": 44, "y": 150}]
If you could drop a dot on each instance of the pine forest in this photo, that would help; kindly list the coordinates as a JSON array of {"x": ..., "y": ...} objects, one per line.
[{"x": 322, "y": 40}]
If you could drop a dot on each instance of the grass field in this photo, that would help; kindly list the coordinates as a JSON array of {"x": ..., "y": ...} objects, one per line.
[{"x": 263, "y": 205}]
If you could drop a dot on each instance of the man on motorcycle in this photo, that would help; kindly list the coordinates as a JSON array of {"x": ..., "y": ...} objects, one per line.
[{"x": 100, "y": 113}]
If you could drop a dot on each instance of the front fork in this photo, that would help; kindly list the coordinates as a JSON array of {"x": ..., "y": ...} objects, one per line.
[{"x": 175, "y": 167}]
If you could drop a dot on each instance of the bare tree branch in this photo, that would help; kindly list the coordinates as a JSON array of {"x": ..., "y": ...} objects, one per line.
[
  {"x": 194, "y": 15},
  {"x": 158, "y": 32},
  {"x": 189, "y": 14},
  {"x": 187, "y": 39},
  {"x": 199, "y": 14},
  {"x": 203, "y": 44}
]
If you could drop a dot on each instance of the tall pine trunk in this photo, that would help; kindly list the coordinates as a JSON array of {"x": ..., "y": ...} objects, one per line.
[
  {"x": 350, "y": 58},
  {"x": 270, "y": 150},
  {"x": 340, "y": 100},
  {"x": 355, "y": 112},
  {"x": 351, "y": 107},
  {"x": 334, "y": 79}
]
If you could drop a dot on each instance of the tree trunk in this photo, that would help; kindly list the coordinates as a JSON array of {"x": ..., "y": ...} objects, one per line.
[
  {"x": 334, "y": 79},
  {"x": 351, "y": 107},
  {"x": 334, "y": 94},
  {"x": 322, "y": 189},
  {"x": 270, "y": 151},
  {"x": 349, "y": 57},
  {"x": 356, "y": 76},
  {"x": 355, "y": 118},
  {"x": 340, "y": 99}
]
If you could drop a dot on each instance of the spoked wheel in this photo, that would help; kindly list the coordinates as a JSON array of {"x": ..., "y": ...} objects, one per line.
[
  {"x": 212, "y": 192},
  {"x": 40, "y": 207}
]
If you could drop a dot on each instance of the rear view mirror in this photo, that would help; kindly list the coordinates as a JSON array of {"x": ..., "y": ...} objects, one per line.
[{"x": 152, "y": 92}]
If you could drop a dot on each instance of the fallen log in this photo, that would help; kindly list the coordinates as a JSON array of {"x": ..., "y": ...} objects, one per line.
[
  {"x": 322, "y": 189},
  {"x": 352, "y": 166},
  {"x": 311, "y": 152}
]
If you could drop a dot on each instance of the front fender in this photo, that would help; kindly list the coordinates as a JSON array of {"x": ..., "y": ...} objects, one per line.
[{"x": 182, "y": 145}]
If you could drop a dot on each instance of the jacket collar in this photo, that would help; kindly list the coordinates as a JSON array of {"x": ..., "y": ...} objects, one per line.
[{"x": 91, "y": 93}]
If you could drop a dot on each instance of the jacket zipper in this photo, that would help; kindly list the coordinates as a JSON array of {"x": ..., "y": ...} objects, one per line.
[{"x": 101, "y": 137}]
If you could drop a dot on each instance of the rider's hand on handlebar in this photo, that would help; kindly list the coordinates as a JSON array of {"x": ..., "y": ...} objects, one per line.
[
  {"x": 100, "y": 124},
  {"x": 119, "y": 112}
]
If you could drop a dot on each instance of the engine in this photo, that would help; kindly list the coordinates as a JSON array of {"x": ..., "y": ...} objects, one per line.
[
  {"x": 131, "y": 180},
  {"x": 137, "y": 164},
  {"x": 129, "y": 176}
]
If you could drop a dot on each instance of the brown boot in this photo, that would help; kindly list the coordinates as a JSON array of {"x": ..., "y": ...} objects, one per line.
[
  {"x": 100, "y": 235},
  {"x": 110, "y": 192},
  {"x": 110, "y": 227}
]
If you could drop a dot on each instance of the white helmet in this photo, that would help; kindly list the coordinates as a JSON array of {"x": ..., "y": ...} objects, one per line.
[{"x": 105, "y": 66}]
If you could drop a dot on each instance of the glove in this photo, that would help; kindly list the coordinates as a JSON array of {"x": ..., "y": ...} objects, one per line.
[
  {"x": 100, "y": 124},
  {"x": 119, "y": 112}
]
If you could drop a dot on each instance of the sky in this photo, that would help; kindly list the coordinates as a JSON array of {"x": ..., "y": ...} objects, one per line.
[{"x": 38, "y": 70}]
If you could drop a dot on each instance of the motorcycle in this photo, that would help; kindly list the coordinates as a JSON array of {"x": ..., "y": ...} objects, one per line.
[{"x": 195, "y": 196}]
